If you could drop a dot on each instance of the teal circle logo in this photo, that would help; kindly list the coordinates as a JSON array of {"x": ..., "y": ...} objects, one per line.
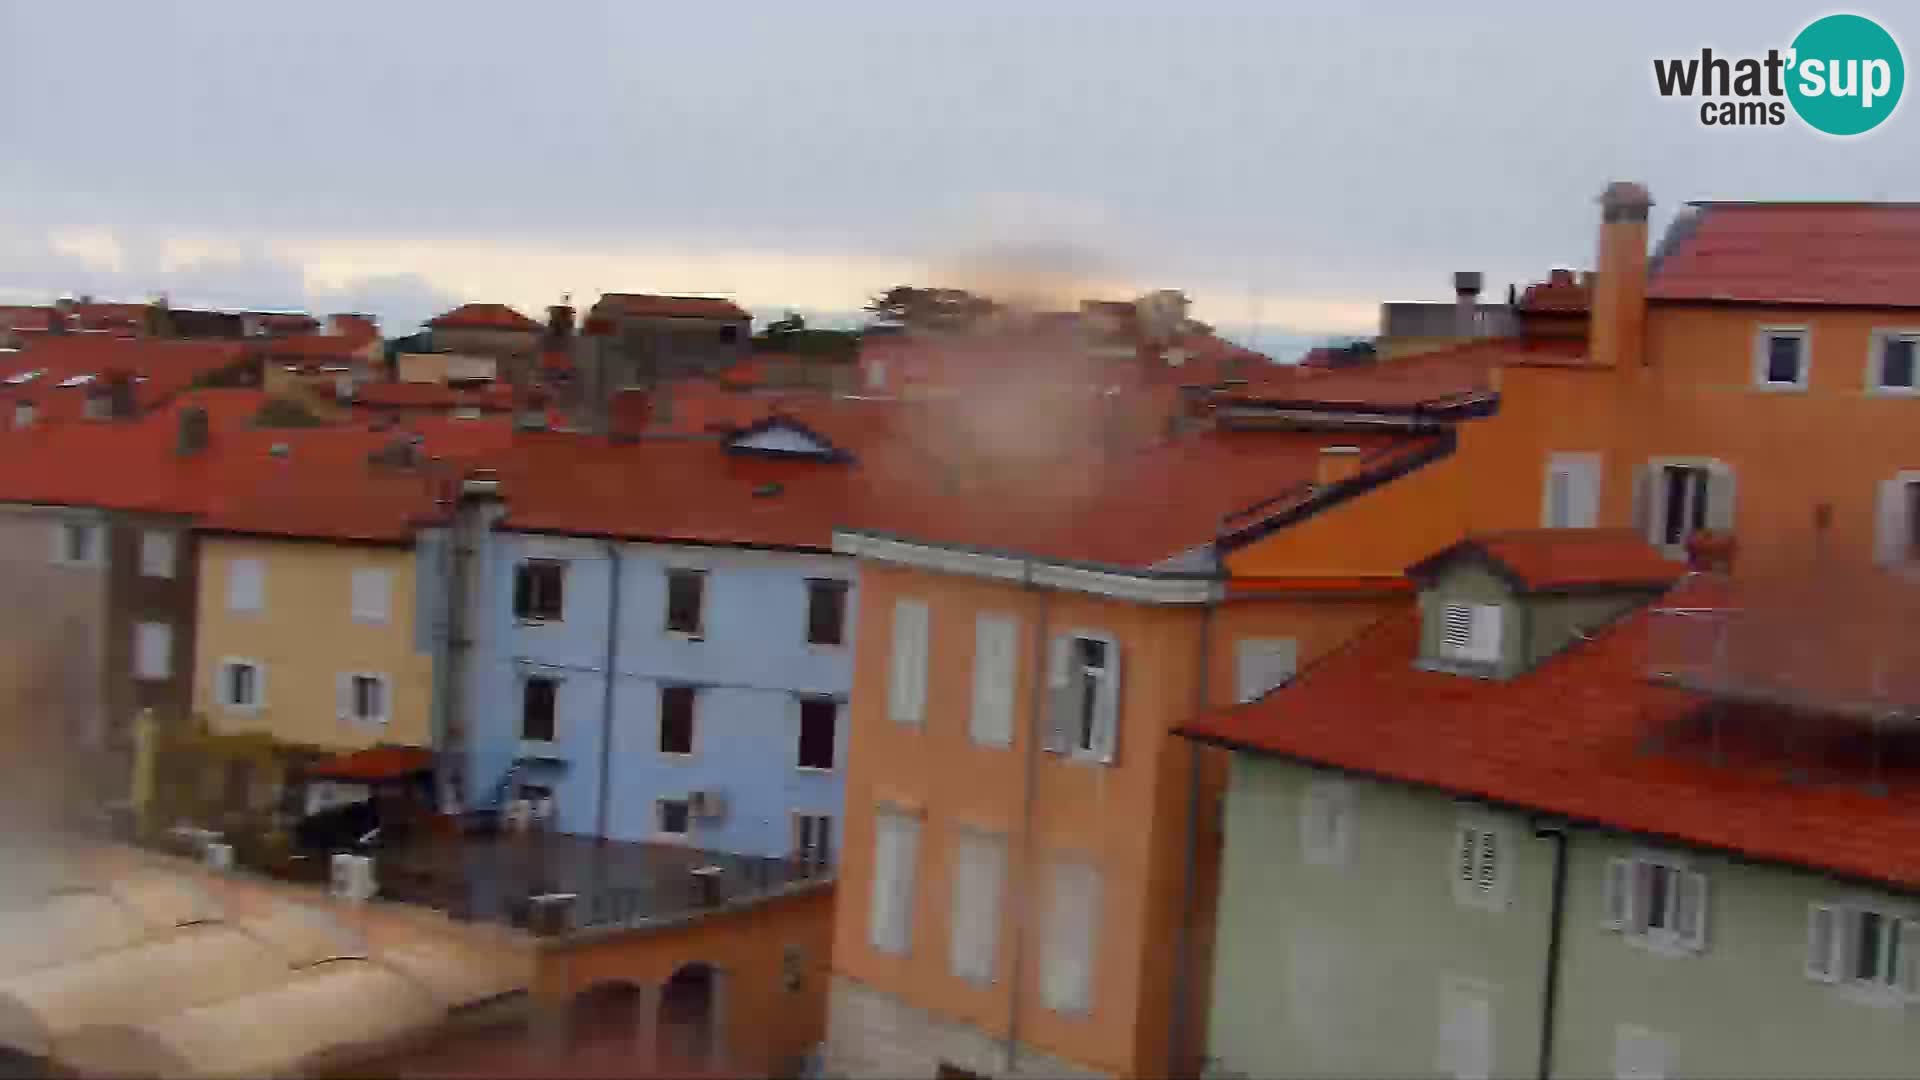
[{"x": 1846, "y": 74}]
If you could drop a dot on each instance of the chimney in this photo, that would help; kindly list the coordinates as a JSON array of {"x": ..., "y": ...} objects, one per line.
[
  {"x": 1560, "y": 277},
  {"x": 1336, "y": 464},
  {"x": 1466, "y": 303},
  {"x": 1617, "y": 334},
  {"x": 1711, "y": 552},
  {"x": 193, "y": 431},
  {"x": 559, "y": 325}
]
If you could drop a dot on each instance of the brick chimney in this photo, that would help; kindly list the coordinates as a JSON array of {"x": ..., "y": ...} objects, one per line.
[
  {"x": 1617, "y": 336},
  {"x": 193, "y": 431},
  {"x": 1337, "y": 463},
  {"x": 1466, "y": 303}
]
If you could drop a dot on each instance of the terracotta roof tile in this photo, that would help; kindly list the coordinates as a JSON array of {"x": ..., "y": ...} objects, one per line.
[
  {"x": 1430, "y": 379},
  {"x": 160, "y": 369},
  {"x": 483, "y": 317},
  {"x": 1805, "y": 253},
  {"x": 1545, "y": 560},
  {"x": 1560, "y": 294},
  {"x": 649, "y": 305},
  {"x": 403, "y": 395}
]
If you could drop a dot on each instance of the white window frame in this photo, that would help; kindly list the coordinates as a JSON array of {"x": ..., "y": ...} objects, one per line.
[
  {"x": 95, "y": 541},
  {"x": 912, "y": 633},
  {"x": 1653, "y": 477},
  {"x": 347, "y": 698},
  {"x": 660, "y": 833},
  {"x": 1569, "y": 467},
  {"x": 159, "y": 553},
  {"x": 996, "y": 673},
  {"x": 1762, "y": 350},
  {"x": 1326, "y": 822},
  {"x": 1262, "y": 665},
  {"x": 1464, "y": 1050},
  {"x": 1076, "y": 898},
  {"x": 1485, "y": 627},
  {"x": 222, "y": 683},
  {"x": 143, "y": 651},
  {"x": 1876, "y": 350},
  {"x": 520, "y": 713},
  {"x": 1064, "y": 733},
  {"x": 660, "y": 721},
  {"x": 1899, "y": 953},
  {"x": 372, "y": 595},
  {"x": 235, "y": 579},
  {"x": 1621, "y": 903},
  {"x": 1480, "y": 862},
  {"x": 974, "y": 920},
  {"x": 1894, "y": 525},
  {"x": 896, "y": 851}
]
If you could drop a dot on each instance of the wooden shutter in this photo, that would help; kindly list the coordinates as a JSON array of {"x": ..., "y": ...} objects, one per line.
[
  {"x": 1720, "y": 497},
  {"x": 994, "y": 644},
  {"x": 1106, "y": 708},
  {"x": 1063, "y": 695},
  {"x": 1890, "y": 525},
  {"x": 1823, "y": 943},
  {"x": 1690, "y": 911},
  {"x": 1072, "y": 930},
  {"x": 1618, "y": 895}
]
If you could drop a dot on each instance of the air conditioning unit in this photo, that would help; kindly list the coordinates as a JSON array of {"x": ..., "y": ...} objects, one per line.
[
  {"x": 707, "y": 804},
  {"x": 218, "y": 856},
  {"x": 352, "y": 878},
  {"x": 517, "y": 816}
]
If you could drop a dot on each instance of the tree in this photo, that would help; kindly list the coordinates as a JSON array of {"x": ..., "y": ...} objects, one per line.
[{"x": 931, "y": 308}]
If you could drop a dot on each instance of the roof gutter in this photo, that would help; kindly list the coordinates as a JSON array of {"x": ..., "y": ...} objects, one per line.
[{"x": 1145, "y": 586}]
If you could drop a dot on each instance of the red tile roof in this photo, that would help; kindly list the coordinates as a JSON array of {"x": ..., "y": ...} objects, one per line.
[
  {"x": 160, "y": 368},
  {"x": 1865, "y": 254},
  {"x": 309, "y": 349},
  {"x": 28, "y": 318},
  {"x": 373, "y": 765},
  {"x": 1561, "y": 294},
  {"x": 1570, "y": 739},
  {"x": 497, "y": 397},
  {"x": 483, "y": 317},
  {"x": 285, "y": 322},
  {"x": 1548, "y": 560},
  {"x": 649, "y": 305},
  {"x": 1430, "y": 379}
]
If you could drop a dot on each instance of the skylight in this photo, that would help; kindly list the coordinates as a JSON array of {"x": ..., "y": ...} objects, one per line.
[
  {"x": 25, "y": 376},
  {"x": 75, "y": 380}
]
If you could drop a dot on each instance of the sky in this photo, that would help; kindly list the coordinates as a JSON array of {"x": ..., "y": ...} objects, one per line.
[{"x": 1290, "y": 171}]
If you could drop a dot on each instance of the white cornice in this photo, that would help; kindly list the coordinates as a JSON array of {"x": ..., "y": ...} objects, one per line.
[{"x": 1144, "y": 588}]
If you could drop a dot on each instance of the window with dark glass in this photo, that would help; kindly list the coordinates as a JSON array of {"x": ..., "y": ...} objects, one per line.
[
  {"x": 826, "y": 611},
  {"x": 817, "y": 719},
  {"x": 1784, "y": 355},
  {"x": 686, "y": 593},
  {"x": 538, "y": 590},
  {"x": 1896, "y": 361},
  {"x": 676, "y": 719},
  {"x": 537, "y": 702}
]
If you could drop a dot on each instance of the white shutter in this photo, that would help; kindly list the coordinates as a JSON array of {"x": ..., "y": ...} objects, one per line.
[
  {"x": 1557, "y": 510},
  {"x": 157, "y": 553},
  {"x": 1584, "y": 508},
  {"x": 1466, "y": 1034},
  {"x": 153, "y": 650},
  {"x": 372, "y": 595},
  {"x": 1639, "y": 1054},
  {"x": 246, "y": 585},
  {"x": 1485, "y": 645},
  {"x": 1261, "y": 664},
  {"x": 1618, "y": 894},
  {"x": 1823, "y": 943},
  {"x": 343, "y": 696},
  {"x": 1466, "y": 845},
  {"x": 1106, "y": 708},
  {"x": 906, "y": 694},
  {"x": 1072, "y": 928},
  {"x": 1690, "y": 912},
  {"x": 1908, "y": 974},
  {"x": 1488, "y": 879},
  {"x": 1890, "y": 525},
  {"x": 890, "y": 916},
  {"x": 994, "y": 644},
  {"x": 978, "y": 871},
  {"x": 1063, "y": 695},
  {"x": 1640, "y": 906},
  {"x": 1721, "y": 491}
]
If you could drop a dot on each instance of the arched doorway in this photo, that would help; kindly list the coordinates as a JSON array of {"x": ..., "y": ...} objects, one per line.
[
  {"x": 605, "y": 1020},
  {"x": 687, "y": 1028}
]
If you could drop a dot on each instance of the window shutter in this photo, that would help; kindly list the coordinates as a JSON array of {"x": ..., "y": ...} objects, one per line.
[
  {"x": 1106, "y": 709},
  {"x": 1489, "y": 876},
  {"x": 1063, "y": 695},
  {"x": 908, "y": 688},
  {"x": 1690, "y": 914},
  {"x": 1584, "y": 492},
  {"x": 1618, "y": 893},
  {"x": 1890, "y": 525},
  {"x": 994, "y": 638},
  {"x": 343, "y": 696},
  {"x": 890, "y": 917},
  {"x": 1486, "y": 632},
  {"x": 1467, "y": 851},
  {"x": 1557, "y": 511},
  {"x": 1720, "y": 497},
  {"x": 1456, "y": 628},
  {"x": 246, "y": 585},
  {"x": 153, "y": 650},
  {"x": 1823, "y": 943},
  {"x": 1644, "y": 489},
  {"x": 979, "y": 865},
  {"x": 1909, "y": 958},
  {"x": 1640, "y": 905},
  {"x": 371, "y": 590},
  {"x": 1073, "y": 927}
]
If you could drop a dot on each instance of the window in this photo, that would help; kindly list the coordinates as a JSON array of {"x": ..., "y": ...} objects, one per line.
[
  {"x": 729, "y": 334},
  {"x": 1073, "y": 919},
  {"x": 995, "y": 641},
  {"x": 157, "y": 553},
  {"x": 246, "y": 585},
  {"x": 907, "y": 675},
  {"x": 1897, "y": 521},
  {"x": 1471, "y": 632},
  {"x": 1672, "y": 499},
  {"x": 153, "y": 650},
  {"x": 674, "y": 817},
  {"x": 1657, "y": 899},
  {"x": 813, "y": 839},
  {"x": 1863, "y": 946},
  {"x": 77, "y": 543},
  {"x": 1640, "y": 1053},
  {"x": 826, "y": 611},
  {"x": 817, "y": 722},
  {"x": 1573, "y": 492},
  {"x": 1263, "y": 664},
  {"x": 372, "y": 595},
  {"x": 676, "y": 719},
  {"x": 1479, "y": 865},
  {"x": 896, "y": 843},
  {"x": 539, "y": 587},
  {"x": 538, "y": 696},
  {"x": 1326, "y": 822},
  {"x": 1780, "y": 358},
  {"x": 242, "y": 684},
  {"x": 686, "y": 592},
  {"x": 1084, "y": 696},
  {"x": 363, "y": 698},
  {"x": 1892, "y": 361},
  {"x": 979, "y": 868}
]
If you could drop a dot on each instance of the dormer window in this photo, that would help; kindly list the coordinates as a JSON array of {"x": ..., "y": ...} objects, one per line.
[
  {"x": 25, "y": 377},
  {"x": 781, "y": 437},
  {"x": 1470, "y": 633}
]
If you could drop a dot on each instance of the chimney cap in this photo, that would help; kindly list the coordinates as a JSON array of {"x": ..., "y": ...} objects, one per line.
[
  {"x": 1624, "y": 200},
  {"x": 1467, "y": 283}
]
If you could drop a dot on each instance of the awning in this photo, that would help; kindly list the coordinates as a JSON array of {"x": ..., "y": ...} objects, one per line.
[{"x": 374, "y": 765}]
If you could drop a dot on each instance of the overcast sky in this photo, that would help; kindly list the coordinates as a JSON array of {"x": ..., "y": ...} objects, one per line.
[{"x": 1290, "y": 170}]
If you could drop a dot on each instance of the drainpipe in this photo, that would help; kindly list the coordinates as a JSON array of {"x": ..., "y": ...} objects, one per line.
[
  {"x": 1037, "y": 715},
  {"x": 1178, "y": 1036},
  {"x": 606, "y": 704},
  {"x": 1549, "y": 996}
]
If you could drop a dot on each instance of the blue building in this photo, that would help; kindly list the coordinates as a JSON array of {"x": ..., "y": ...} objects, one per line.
[{"x": 723, "y": 724}]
